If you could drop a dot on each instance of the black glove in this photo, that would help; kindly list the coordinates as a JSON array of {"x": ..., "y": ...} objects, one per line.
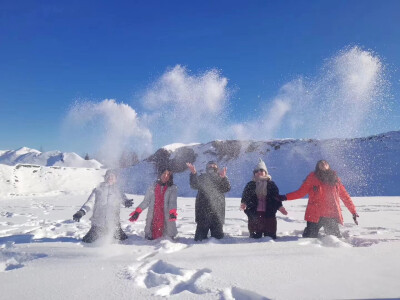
[
  {"x": 282, "y": 198},
  {"x": 134, "y": 216},
  {"x": 355, "y": 216},
  {"x": 78, "y": 215},
  {"x": 172, "y": 217},
  {"x": 128, "y": 203}
]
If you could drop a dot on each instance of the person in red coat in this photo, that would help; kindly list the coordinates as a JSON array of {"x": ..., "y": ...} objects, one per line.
[{"x": 324, "y": 189}]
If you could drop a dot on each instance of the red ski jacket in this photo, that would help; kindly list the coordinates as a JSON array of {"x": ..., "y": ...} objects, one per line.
[{"x": 323, "y": 199}]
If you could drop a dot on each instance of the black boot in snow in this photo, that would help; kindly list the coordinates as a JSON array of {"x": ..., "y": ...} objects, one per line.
[
  {"x": 120, "y": 235},
  {"x": 93, "y": 234}
]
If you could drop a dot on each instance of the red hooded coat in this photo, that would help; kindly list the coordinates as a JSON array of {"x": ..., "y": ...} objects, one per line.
[{"x": 323, "y": 199}]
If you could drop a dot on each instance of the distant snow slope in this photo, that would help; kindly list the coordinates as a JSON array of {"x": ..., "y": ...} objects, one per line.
[
  {"x": 26, "y": 180},
  {"x": 26, "y": 155},
  {"x": 367, "y": 166}
]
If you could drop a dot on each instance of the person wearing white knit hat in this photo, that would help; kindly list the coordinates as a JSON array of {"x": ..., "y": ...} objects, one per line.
[{"x": 260, "y": 203}]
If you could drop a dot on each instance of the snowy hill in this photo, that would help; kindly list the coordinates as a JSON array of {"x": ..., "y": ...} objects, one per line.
[
  {"x": 29, "y": 180},
  {"x": 26, "y": 155},
  {"x": 367, "y": 166}
]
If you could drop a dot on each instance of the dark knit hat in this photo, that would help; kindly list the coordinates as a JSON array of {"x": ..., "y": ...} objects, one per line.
[{"x": 210, "y": 163}]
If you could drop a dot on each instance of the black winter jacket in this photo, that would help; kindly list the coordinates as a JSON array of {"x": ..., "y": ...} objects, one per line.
[
  {"x": 210, "y": 199},
  {"x": 249, "y": 197}
]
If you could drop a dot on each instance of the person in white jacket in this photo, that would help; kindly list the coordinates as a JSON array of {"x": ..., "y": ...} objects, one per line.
[
  {"x": 161, "y": 200},
  {"x": 105, "y": 201}
]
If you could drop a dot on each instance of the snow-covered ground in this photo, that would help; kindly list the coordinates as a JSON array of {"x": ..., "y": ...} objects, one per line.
[{"x": 42, "y": 256}]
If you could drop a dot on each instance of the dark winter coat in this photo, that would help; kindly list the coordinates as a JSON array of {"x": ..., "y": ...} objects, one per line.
[
  {"x": 210, "y": 199},
  {"x": 249, "y": 197}
]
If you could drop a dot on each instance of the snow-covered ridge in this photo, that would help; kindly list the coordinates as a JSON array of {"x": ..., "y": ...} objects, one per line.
[
  {"x": 175, "y": 146},
  {"x": 26, "y": 155},
  {"x": 30, "y": 180},
  {"x": 367, "y": 166}
]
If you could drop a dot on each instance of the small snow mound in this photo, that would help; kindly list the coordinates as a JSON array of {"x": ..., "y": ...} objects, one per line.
[
  {"x": 170, "y": 247},
  {"x": 333, "y": 241},
  {"x": 239, "y": 293}
]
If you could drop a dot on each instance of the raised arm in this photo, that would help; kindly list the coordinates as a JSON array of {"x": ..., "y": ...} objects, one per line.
[
  {"x": 246, "y": 196},
  {"x": 346, "y": 199},
  {"x": 147, "y": 198},
  {"x": 194, "y": 181},
  {"x": 273, "y": 193},
  {"x": 302, "y": 191},
  {"x": 88, "y": 205},
  {"x": 143, "y": 205},
  {"x": 224, "y": 185},
  {"x": 172, "y": 203},
  {"x": 172, "y": 199}
]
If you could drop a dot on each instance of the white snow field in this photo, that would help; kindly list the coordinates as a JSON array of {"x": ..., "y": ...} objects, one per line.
[{"x": 42, "y": 256}]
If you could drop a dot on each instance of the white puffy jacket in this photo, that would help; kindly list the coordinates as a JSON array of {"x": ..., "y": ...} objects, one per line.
[{"x": 105, "y": 201}]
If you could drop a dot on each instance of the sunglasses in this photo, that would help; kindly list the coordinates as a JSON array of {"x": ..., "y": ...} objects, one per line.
[{"x": 259, "y": 170}]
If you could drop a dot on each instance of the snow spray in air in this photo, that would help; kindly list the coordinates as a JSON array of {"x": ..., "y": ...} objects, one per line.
[
  {"x": 349, "y": 98},
  {"x": 185, "y": 108},
  {"x": 112, "y": 127}
]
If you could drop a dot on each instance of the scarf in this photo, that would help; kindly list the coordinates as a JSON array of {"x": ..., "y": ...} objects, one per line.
[
  {"x": 158, "y": 215},
  {"x": 261, "y": 192}
]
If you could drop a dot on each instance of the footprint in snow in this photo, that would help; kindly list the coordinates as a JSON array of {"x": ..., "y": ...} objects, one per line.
[
  {"x": 10, "y": 260},
  {"x": 165, "y": 279}
]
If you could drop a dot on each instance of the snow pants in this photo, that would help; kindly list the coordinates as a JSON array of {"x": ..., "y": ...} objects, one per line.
[
  {"x": 96, "y": 232},
  {"x": 202, "y": 229},
  {"x": 260, "y": 225},
  {"x": 331, "y": 227}
]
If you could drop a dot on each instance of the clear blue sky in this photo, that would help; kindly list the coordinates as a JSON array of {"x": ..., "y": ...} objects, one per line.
[{"x": 55, "y": 52}]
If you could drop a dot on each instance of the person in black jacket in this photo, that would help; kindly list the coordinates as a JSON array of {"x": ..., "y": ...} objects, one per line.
[
  {"x": 210, "y": 200},
  {"x": 260, "y": 203}
]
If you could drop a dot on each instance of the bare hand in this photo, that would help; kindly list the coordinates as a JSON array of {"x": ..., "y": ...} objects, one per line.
[
  {"x": 283, "y": 210},
  {"x": 243, "y": 206},
  {"x": 192, "y": 168},
  {"x": 222, "y": 173}
]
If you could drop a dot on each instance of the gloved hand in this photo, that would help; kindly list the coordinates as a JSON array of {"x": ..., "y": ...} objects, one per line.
[
  {"x": 135, "y": 215},
  {"x": 128, "y": 203},
  {"x": 355, "y": 216},
  {"x": 172, "y": 215},
  {"x": 282, "y": 198},
  {"x": 78, "y": 215},
  {"x": 283, "y": 210}
]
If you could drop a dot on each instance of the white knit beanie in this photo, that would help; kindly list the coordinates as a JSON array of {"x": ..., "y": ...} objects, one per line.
[{"x": 261, "y": 166}]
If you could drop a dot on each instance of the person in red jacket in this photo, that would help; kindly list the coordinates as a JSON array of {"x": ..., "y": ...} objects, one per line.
[{"x": 324, "y": 189}]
